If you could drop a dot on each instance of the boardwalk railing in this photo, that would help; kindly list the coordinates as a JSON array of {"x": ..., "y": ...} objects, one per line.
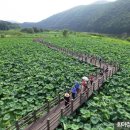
[
  {"x": 53, "y": 122},
  {"x": 33, "y": 116}
]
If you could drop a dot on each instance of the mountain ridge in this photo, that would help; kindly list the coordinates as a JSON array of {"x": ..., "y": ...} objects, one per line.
[{"x": 112, "y": 17}]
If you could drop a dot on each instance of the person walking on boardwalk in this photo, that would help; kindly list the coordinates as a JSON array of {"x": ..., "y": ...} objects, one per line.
[
  {"x": 106, "y": 69},
  {"x": 74, "y": 92},
  {"x": 77, "y": 86},
  {"x": 101, "y": 72},
  {"x": 91, "y": 78},
  {"x": 67, "y": 98},
  {"x": 84, "y": 83}
]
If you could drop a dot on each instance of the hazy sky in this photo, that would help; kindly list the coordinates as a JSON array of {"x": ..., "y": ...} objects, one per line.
[{"x": 36, "y": 10}]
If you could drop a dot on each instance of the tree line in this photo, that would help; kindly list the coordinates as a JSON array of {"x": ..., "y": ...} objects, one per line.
[
  {"x": 33, "y": 30},
  {"x": 4, "y": 25}
]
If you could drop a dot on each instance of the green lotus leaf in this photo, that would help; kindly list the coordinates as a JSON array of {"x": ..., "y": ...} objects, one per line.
[{"x": 6, "y": 117}]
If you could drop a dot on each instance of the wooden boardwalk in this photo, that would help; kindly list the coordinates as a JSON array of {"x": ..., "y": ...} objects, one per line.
[{"x": 48, "y": 116}]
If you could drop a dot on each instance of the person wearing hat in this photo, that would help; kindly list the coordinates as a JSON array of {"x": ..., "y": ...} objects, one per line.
[
  {"x": 84, "y": 85},
  {"x": 67, "y": 98}
]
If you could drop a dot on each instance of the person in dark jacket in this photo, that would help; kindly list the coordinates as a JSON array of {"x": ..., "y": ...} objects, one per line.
[
  {"x": 74, "y": 92},
  {"x": 101, "y": 72},
  {"x": 77, "y": 86}
]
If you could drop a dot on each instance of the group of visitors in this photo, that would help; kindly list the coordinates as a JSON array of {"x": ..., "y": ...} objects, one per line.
[
  {"x": 80, "y": 88},
  {"x": 77, "y": 88}
]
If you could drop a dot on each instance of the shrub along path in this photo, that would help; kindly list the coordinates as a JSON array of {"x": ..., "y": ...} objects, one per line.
[{"x": 39, "y": 120}]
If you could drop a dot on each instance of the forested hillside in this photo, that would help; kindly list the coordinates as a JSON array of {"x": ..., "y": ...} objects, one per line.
[
  {"x": 112, "y": 17},
  {"x": 4, "y": 25}
]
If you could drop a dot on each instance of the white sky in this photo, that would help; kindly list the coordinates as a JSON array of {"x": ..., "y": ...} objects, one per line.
[{"x": 36, "y": 10}]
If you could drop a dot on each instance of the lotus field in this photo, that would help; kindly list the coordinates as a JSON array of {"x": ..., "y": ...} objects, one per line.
[
  {"x": 30, "y": 73},
  {"x": 112, "y": 103}
]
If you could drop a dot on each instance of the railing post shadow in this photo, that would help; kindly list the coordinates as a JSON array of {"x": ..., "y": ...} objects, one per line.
[
  {"x": 98, "y": 83},
  {"x": 110, "y": 73},
  {"x": 61, "y": 111},
  {"x": 96, "y": 74},
  {"x": 59, "y": 99},
  {"x": 95, "y": 61},
  {"x": 100, "y": 64},
  {"x": 80, "y": 98},
  {"x": 112, "y": 70},
  {"x": 72, "y": 103},
  {"x": 48, "y": 106},
  {"x": 87, "y": 92},
  {"x": 103, "y": 78},
  {"x": 34, "y": 116},
  {"x": 93, "y": 86},
  {"x": 106, "y": 75},
  {"x": 48, "y": 124},
  {"x": 82, "y": 58},
  {"x": 86, "y": 59}
]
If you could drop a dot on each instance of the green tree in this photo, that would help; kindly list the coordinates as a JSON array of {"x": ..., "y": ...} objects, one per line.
[
  {"x": 36, "y": 30},
  {"x": 65, "y": 33},
  {"x": 27, "y": 30}
]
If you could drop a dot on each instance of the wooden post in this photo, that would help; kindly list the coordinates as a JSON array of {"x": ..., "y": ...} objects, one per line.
[
  {"x": 103, "y": 68},
  {"x": 119, "y": 67},
  {"x": 34, "y": 116},
  {"x": 48, "y": 124},
  {"x": 48, "y": 106},
  {"x": 95, "y": 61},
  {"x": 82, "y": 57},
  {"x": 90, "y": 59},
  {"x": 85, "y": 58},
  {"x": 17, "y": 125},
  {"x": 87, "y": 93},
  {"x": 61, "y": 111},
  {"x": 100, "y": 64},
  {"x": 116, "y": 68},
  {"x": 96, "y": 74},
  {"x": 93, "y": 86},
  {"x": 110, "y": 73},
  {"x": 59, "y": 99},
  {"x": 98, "y": 83},
  {"x": 80, "y": 98},
  {"x": 112, "y": 70},
  {"x": 106, "y": 75},
  {"x": 72, "y": 103},
  {"x": 76, "y": 54},
  {"x": 103, "y": 78},
  {"x": 79, "y": 56}
]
